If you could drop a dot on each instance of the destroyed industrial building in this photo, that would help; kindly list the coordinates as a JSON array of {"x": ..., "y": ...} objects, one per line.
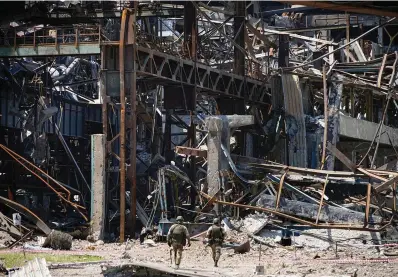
[{"x": 118, "y": 116}]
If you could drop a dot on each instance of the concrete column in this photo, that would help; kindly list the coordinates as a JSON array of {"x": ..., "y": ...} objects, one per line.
[
  {"x": 219, "y": 133},
  {"x": 214, "y": 125},
  {"x": 214, "y": 155},
  {"x": 98, "y": 191}
]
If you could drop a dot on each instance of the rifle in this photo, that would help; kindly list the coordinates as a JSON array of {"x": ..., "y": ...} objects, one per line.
[{"x": 171, "y": 255}]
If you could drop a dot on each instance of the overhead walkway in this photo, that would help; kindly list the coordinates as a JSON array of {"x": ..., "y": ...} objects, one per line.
[{"x": 52, "y": 41}]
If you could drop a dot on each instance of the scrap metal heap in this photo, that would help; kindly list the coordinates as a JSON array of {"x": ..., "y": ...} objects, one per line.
[{"x": 197, "y": 110}]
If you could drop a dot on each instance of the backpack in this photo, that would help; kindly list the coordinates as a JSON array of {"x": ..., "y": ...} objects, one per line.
[
  {"x": 177, "y": 234},
  {"x": 216, "y": 234}
]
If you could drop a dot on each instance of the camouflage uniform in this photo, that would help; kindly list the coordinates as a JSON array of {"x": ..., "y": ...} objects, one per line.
[
  {"x": 216, "y": 235},
  {"x": 176, "y": 238}
]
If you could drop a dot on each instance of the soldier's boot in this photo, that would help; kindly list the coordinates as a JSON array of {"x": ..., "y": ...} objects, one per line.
[{"x": 215, "y": 263}]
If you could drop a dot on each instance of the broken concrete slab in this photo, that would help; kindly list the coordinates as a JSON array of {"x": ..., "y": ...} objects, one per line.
[{"x": 254, "y": 223}]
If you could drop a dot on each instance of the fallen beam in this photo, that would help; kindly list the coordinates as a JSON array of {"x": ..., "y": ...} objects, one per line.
[
  {"x": 328, "y": 214},
  {"x": 299, "y": 220},
  {"x": 26, "y": 212},
  {"x": 295, "y": 36},
  {"x": 386, "y": 185},
  {"x": 321, "y": 172},
  {"x": 343, "y": 158}
]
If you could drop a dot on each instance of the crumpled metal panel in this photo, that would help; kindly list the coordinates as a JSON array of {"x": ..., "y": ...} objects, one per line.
[{"x": 293, "y": 102}]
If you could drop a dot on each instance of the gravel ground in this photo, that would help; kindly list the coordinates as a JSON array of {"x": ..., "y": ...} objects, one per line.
[
  {"x": 313, "y": 257},
  {"x": 306, "y": 261}
]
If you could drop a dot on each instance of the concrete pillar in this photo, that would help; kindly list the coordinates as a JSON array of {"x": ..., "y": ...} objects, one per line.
[
  {"x": 214, "y": 155},
  {"x": 98, "y": 191},
  {"x": 219, "y": 133}
]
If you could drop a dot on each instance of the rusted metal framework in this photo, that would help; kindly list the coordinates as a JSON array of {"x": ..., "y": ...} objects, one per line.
[{"x": 137, "y": 67}]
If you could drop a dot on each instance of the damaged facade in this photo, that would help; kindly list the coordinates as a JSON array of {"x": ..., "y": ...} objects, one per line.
[{"x": 118, "y": 116}]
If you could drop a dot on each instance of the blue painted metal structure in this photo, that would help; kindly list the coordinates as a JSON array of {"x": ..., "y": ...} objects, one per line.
[{"x": 73, "y": 116}]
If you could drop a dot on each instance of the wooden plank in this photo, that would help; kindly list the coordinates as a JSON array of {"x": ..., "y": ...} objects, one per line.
[
  {"x": 343, "y": 158},
  {"x": 322, "y": 196},
  {"x": 367, "y": 208}
]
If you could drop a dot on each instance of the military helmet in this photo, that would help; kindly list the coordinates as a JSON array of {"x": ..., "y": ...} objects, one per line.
[
  {"x": 180, "y": 219},
  {"x": 216, "y": 221}
]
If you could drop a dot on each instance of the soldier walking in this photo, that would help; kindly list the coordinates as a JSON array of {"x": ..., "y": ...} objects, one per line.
[
  {"x": 177, "y": 238},
  {"x": 216, "y": 235}
]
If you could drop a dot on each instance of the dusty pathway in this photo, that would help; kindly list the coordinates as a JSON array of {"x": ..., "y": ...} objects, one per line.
[{"x": 277, "y": 261}]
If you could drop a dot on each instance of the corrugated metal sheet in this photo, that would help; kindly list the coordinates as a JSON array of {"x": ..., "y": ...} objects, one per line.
[
  {"x": 293, "y": 102},
  {"x": 73, "y": 116},
  {"x": 35, "y": 268}
]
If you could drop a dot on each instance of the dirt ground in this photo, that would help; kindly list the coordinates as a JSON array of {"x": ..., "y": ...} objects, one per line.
[{"x": 351, "y": 261}]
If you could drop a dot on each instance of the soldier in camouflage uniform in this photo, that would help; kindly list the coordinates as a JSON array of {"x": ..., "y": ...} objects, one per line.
[
  {"x": 176, "y": 238},
  {"x": 216, "y": 235}
]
